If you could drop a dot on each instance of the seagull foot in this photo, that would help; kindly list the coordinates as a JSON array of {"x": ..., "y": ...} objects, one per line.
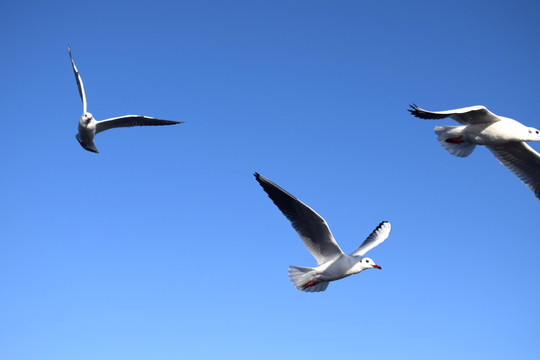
[
  {"x": 455, "y": 140},
  {"x": 311, "y": 283}
]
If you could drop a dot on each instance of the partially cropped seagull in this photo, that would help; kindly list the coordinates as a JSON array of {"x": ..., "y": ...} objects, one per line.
[
  {"x": 89, "y": 127},
  {"x": 503, "y": 136},
  {"x": 332, "y": 262}
]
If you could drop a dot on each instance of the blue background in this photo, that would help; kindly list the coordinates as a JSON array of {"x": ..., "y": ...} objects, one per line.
[{"x": 163, "y": 246}]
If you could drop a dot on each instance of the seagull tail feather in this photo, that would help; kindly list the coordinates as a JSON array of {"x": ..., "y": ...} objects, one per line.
[
  {"x": 450, "y": 139},
  {"x": 87, "y": 146},
  {"x": 304, "y": 279}
]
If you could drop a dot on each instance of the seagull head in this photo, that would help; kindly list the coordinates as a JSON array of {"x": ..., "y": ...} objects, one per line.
[
  {"x": 534, "y": 134},
  {"x": 367, "y": 263},
  {"x": 86, "y": 117}
]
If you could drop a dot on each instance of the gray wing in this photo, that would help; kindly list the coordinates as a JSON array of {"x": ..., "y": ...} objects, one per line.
[
  {"x": 378, "y": 235},
  {"x": 465, "y": 116},
  {"x": 131, "y": 120},
  {"x": 310, "y": 226},
  {"x": 522, "y": 160},
  {"x": 79, "y": 81}
]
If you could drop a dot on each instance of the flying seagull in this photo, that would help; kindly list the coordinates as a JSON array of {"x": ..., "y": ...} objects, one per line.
[
  {"x": 332, "y": 262},
  {"x": 503, "y": 136},
  {"x": 89, "y": 127}
]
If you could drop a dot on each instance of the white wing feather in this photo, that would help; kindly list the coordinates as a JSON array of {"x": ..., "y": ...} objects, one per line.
[
  {"x": 79, "y": 81},
  {"x": 522, "y": 160},
  {"x": 468, "y": 115},
  {"x": 131, "y": 120},
  {"x": 310, "y": 226},
  {"x": 378, "y": 235}
]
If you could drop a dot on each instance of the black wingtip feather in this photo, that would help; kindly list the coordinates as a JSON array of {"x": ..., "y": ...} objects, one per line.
[
  {"x": 423, "y": 114},
  {"x": 274, "y": 191},
  {"x": 258, "y": 177},
  {"x": 261, "y": 181},
  {"x": 414, "y": 110}
]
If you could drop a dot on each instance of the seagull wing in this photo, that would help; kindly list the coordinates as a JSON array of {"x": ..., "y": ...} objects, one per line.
[
  {"x": 522, "y": 160},
  {"x": 79, "y": 81},
  {"x": 131, "y": 120},
  {"x": 465, "y": 116},
  {"x": 310, "y": 226},
  {"x": 378, "y": 235}
]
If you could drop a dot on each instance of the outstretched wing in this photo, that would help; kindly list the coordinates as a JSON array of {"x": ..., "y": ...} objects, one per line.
[
  {"x": 310, "y": 226},
  {"x": 375, "y": 238},
  {"x": 522, "y": 160},
  {"x": 131, "y": 120},
  {"x": 465, "y": 116},
  {"x": 79, "y": 81}
]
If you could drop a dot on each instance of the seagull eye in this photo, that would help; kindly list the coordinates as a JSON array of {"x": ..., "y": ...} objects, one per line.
[{"x": 537, "y": 131}]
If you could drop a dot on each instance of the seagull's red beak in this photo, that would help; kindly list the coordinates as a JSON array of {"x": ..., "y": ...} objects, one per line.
[{"x": 377, "y": 267}]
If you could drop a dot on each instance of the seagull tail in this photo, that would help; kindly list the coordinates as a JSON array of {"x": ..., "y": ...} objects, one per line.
[
  {"x": 450, "y": 139},
  {"x": 87, "y": 146},
  {"x": 304, "y": 278}
]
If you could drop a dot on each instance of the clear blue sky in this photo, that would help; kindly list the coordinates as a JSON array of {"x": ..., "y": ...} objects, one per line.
[{"x": 163, "y": 246}]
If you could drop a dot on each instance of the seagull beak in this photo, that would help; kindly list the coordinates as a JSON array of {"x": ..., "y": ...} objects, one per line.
[{"x": 377, "y": 267}]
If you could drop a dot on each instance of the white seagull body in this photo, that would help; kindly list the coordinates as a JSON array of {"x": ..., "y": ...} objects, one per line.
[
  {"x": 89, "y": 127},
  {"x": 332, "y": 262},
  {"x": 503, "y": 136}
]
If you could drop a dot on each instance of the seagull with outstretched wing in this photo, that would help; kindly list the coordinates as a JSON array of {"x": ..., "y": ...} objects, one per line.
[
  {"x": 504, "y": 137},
  {"x": 89, "y": 127},
  {"x": 332, "y": 262}
]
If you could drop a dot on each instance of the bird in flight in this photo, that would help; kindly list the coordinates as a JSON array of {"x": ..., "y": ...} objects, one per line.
[
  {"x": 504, "y": 137},
  {"x": 89, "y": 127},
  {"x": 332, "y": 262}
]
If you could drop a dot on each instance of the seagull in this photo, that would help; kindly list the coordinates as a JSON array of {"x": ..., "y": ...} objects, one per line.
[
  {"x": 503, "y": 136},
  {"x": 332, "y": 262},
  {"x": 89, "y": 127}
]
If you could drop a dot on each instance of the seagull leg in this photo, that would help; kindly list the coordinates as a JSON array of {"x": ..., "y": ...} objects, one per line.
[
  {"x": 455, "y": 140},
  {"x": 311, "y": 283}
]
